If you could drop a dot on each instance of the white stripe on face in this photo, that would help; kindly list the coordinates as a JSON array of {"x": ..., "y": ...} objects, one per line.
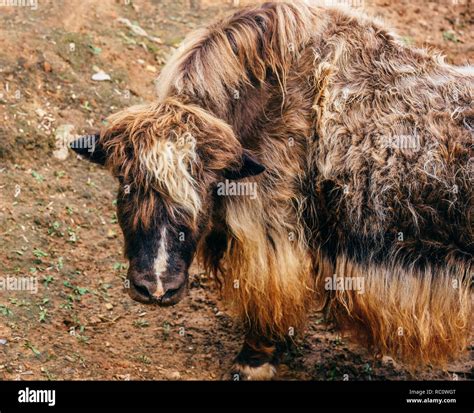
[{"x": 160, "y": 264}]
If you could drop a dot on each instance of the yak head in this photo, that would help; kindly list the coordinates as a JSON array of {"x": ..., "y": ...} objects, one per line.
[{"x": 168, "y": 158}]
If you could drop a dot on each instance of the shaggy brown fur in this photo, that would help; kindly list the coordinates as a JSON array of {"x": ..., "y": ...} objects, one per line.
[
  {"x": 159, "y": 148},
  {"x": 323, "y": 98}
]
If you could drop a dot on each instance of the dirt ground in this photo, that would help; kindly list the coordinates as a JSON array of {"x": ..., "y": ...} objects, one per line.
[{"x": 57, "y": 217}]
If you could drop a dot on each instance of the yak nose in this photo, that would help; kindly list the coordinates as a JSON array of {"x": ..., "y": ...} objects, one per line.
[
  {"x": 145, "y": 289},
  {"x": 149, "y": 288}
]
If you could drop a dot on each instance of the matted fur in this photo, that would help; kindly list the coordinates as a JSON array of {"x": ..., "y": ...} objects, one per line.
[
  {"x": 239, "y": 50},
  {"x": 169, "y": 140},
  {"x": 267, "y": 275},
  {"x": 317, "y": 95},
  {"x": 415, "y": 315}
]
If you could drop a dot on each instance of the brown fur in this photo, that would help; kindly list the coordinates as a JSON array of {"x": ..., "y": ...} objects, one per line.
[
  {"x": 140, "y": 129},
  {"x": 317, "y": 96}
]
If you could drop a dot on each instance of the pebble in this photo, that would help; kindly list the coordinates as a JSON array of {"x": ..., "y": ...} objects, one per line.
[
  {"x": 40, "y": 112},
  {"x": 175, "y": 375},
  {"x": 47, "y": 67},
  {"x": 100, "y": 76},
  {"x": 63, "y": 136}
]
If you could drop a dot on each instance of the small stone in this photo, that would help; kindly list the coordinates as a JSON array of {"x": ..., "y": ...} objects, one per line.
[
  {"x": 100, "y": 76},
  {"x": 150, "y": 68},
  {"x": 156, "y": 40},
  {"x": 40, "y": 112},
  {"x": 3, "y": 341},
  {"x": 95, "y": 320},
  {"x": 63, "y": 136},
  {"x": 47, "y": 67},
  {"x": 175, "y": 375},
  {"x": 109, "y": 306}
]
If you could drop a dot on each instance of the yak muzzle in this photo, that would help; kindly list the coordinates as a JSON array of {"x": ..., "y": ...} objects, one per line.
[{"x": 147, "y": 289}]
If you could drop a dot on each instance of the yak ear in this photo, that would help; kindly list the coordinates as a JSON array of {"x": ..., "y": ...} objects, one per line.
[
  {"x": 248, "y": 167},
  {"x": 90, "y": 148}
]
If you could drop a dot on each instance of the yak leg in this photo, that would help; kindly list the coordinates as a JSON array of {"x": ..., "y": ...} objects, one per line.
[{"x": 258, "y": 359}]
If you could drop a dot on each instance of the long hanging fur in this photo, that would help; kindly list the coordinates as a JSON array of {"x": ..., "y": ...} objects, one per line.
[{"x": 318, "y": 95}]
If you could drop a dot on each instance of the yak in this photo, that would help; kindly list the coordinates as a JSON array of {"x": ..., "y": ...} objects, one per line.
[{"x": 359, "y": 153}]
